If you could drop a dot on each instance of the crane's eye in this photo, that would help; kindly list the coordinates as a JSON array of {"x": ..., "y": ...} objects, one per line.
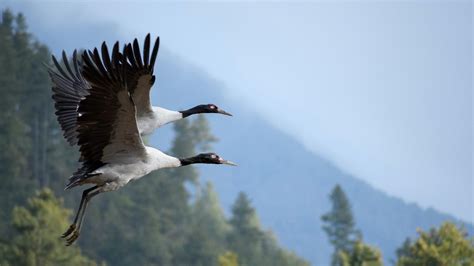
[
  {"x": 214, "y": 156},
  {"x": 212, "y": 106}
]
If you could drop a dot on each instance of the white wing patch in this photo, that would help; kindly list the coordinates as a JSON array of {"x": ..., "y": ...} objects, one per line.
[
  {"x": 141, "y": 94},
  {"x": 125, "y": 145}
]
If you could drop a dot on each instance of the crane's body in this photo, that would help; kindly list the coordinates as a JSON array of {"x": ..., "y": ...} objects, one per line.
[{"x": 115, "y": 175}]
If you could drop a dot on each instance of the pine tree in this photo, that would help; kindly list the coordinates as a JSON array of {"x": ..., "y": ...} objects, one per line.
[
  {"x": 245, "y": 236},
  {"x": 403, "y": 250},
  {"x": 446, "y": 245},
  {"x": 25, "y": 113},
  {"x": 252, "y": 245},
  {"x": 208, "y": 228},
  {"x": 202, "y": 134},
  {"x": 35, "y": 240},
  {"x": 228, "y": 258},
  {"x": 208, "y": 214},
  {"x": 339, "y": 224},
  {"x": 361, "y": 255}
]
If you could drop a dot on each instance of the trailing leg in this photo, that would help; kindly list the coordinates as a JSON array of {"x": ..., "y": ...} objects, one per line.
[{"x": 73, "y": 231}]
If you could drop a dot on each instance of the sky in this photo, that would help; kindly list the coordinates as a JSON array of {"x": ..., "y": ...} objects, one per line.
[{"x": 382, "y": 89}]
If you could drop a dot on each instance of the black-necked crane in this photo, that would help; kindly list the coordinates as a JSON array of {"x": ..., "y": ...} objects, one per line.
[
  {"x": 111, "y": 148},
  {"x": 69, "y": 87}
]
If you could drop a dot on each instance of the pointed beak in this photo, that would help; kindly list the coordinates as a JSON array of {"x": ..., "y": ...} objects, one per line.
[
  {"x": 223, "y": 112},
  {"x": 228, "y": 162}
]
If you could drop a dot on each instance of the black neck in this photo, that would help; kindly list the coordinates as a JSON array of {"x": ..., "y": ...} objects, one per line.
[
  {"x": 190, "y": 160},
  {"x": 201, "y": 158},
  {"x": 192, "y": 111}
]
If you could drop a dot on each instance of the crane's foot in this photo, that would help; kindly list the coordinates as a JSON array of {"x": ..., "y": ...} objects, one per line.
[
  {"x": 74, "y": 236},
  {"x": 71, "y": 228},
  {"x": 71, "y": 235}
]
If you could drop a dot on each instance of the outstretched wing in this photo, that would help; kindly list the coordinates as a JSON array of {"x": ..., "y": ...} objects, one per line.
[
  {"x": 139, "y": 71},
  {"x": 69, "y": 88},
  {"x": 107, "y": 126}
]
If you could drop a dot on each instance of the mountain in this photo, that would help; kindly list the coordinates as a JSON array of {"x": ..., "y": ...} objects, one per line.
[{"x": 288, "y": 184}]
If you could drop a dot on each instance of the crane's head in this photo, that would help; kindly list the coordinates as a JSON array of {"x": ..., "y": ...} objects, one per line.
[
  {"x": 207, "y": 158},
  {"x": 204, "y": 109}
]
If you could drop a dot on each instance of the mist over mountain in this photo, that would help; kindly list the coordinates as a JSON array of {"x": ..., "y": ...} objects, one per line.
[{"x": 288, "y": 184}]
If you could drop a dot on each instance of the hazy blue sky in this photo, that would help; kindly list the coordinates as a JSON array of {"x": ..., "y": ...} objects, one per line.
[{"x": 384, "y": 90}]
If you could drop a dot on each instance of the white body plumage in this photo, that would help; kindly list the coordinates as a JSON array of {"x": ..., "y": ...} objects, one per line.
[{"x": 113, "y": 176}]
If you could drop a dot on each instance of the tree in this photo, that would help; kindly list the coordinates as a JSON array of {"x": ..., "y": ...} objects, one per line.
[
  {"x": 27, "y": 131},
  {"x": 36, "y": 240},
  {"x": 208, "y": 214},
  {"x": 447, "y": 245},
  {"x": 202, "y": 133},
  {"x": 252, "y": 245},
  {"x": 361, "y": 255},
  {"x": 404, "y": 250},
  {"x": 190, "y": 135},
  {"x": 228, "y": 258},
  {"x": 207, "y": 230},
  {"x": 245, "y": 235},
  {"x": 339, "y": 224}
]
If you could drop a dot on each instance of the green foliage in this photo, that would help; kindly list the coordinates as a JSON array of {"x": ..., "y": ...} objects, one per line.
[
  {"x": 339, "y": 224},
  {"x": 29, "y": 137},
  {"x": 228, "y": 258},
  {"x": 191, "y": 136},
  {"x": 201, "y": 133},
  {"x": 404, "y": 250},
  {"x": 349, "y": 250},
  {"x": 245, "y": 236},
  {"x": 252, "y": 245},
  {"x": 36, "y": 240},
  {"x": 361, "y": 255},
  {"x": 208, "y": 228},
  {"x": 447, "y": 245},
  {"x": 207, "y": 212}
]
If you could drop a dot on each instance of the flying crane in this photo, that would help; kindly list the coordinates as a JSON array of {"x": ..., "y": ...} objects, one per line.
[{"x": 70, "y": 87}]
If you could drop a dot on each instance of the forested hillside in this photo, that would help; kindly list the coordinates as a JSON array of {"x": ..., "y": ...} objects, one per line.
[{"x": 167, "y": 218}]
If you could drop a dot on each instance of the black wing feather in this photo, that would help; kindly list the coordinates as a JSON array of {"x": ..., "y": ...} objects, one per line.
[
  {"x": 146, "y": 50},
  {"x": 68, "y": 90},
  {"x": 140, "y": 76},
  {"x": 137, "y": 54},
  {"x": 107, "y": 125},
  {"x": 154, "y": 53}
]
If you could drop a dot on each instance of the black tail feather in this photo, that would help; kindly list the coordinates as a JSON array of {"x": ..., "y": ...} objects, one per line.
[{"x": 83, "y": 173}]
